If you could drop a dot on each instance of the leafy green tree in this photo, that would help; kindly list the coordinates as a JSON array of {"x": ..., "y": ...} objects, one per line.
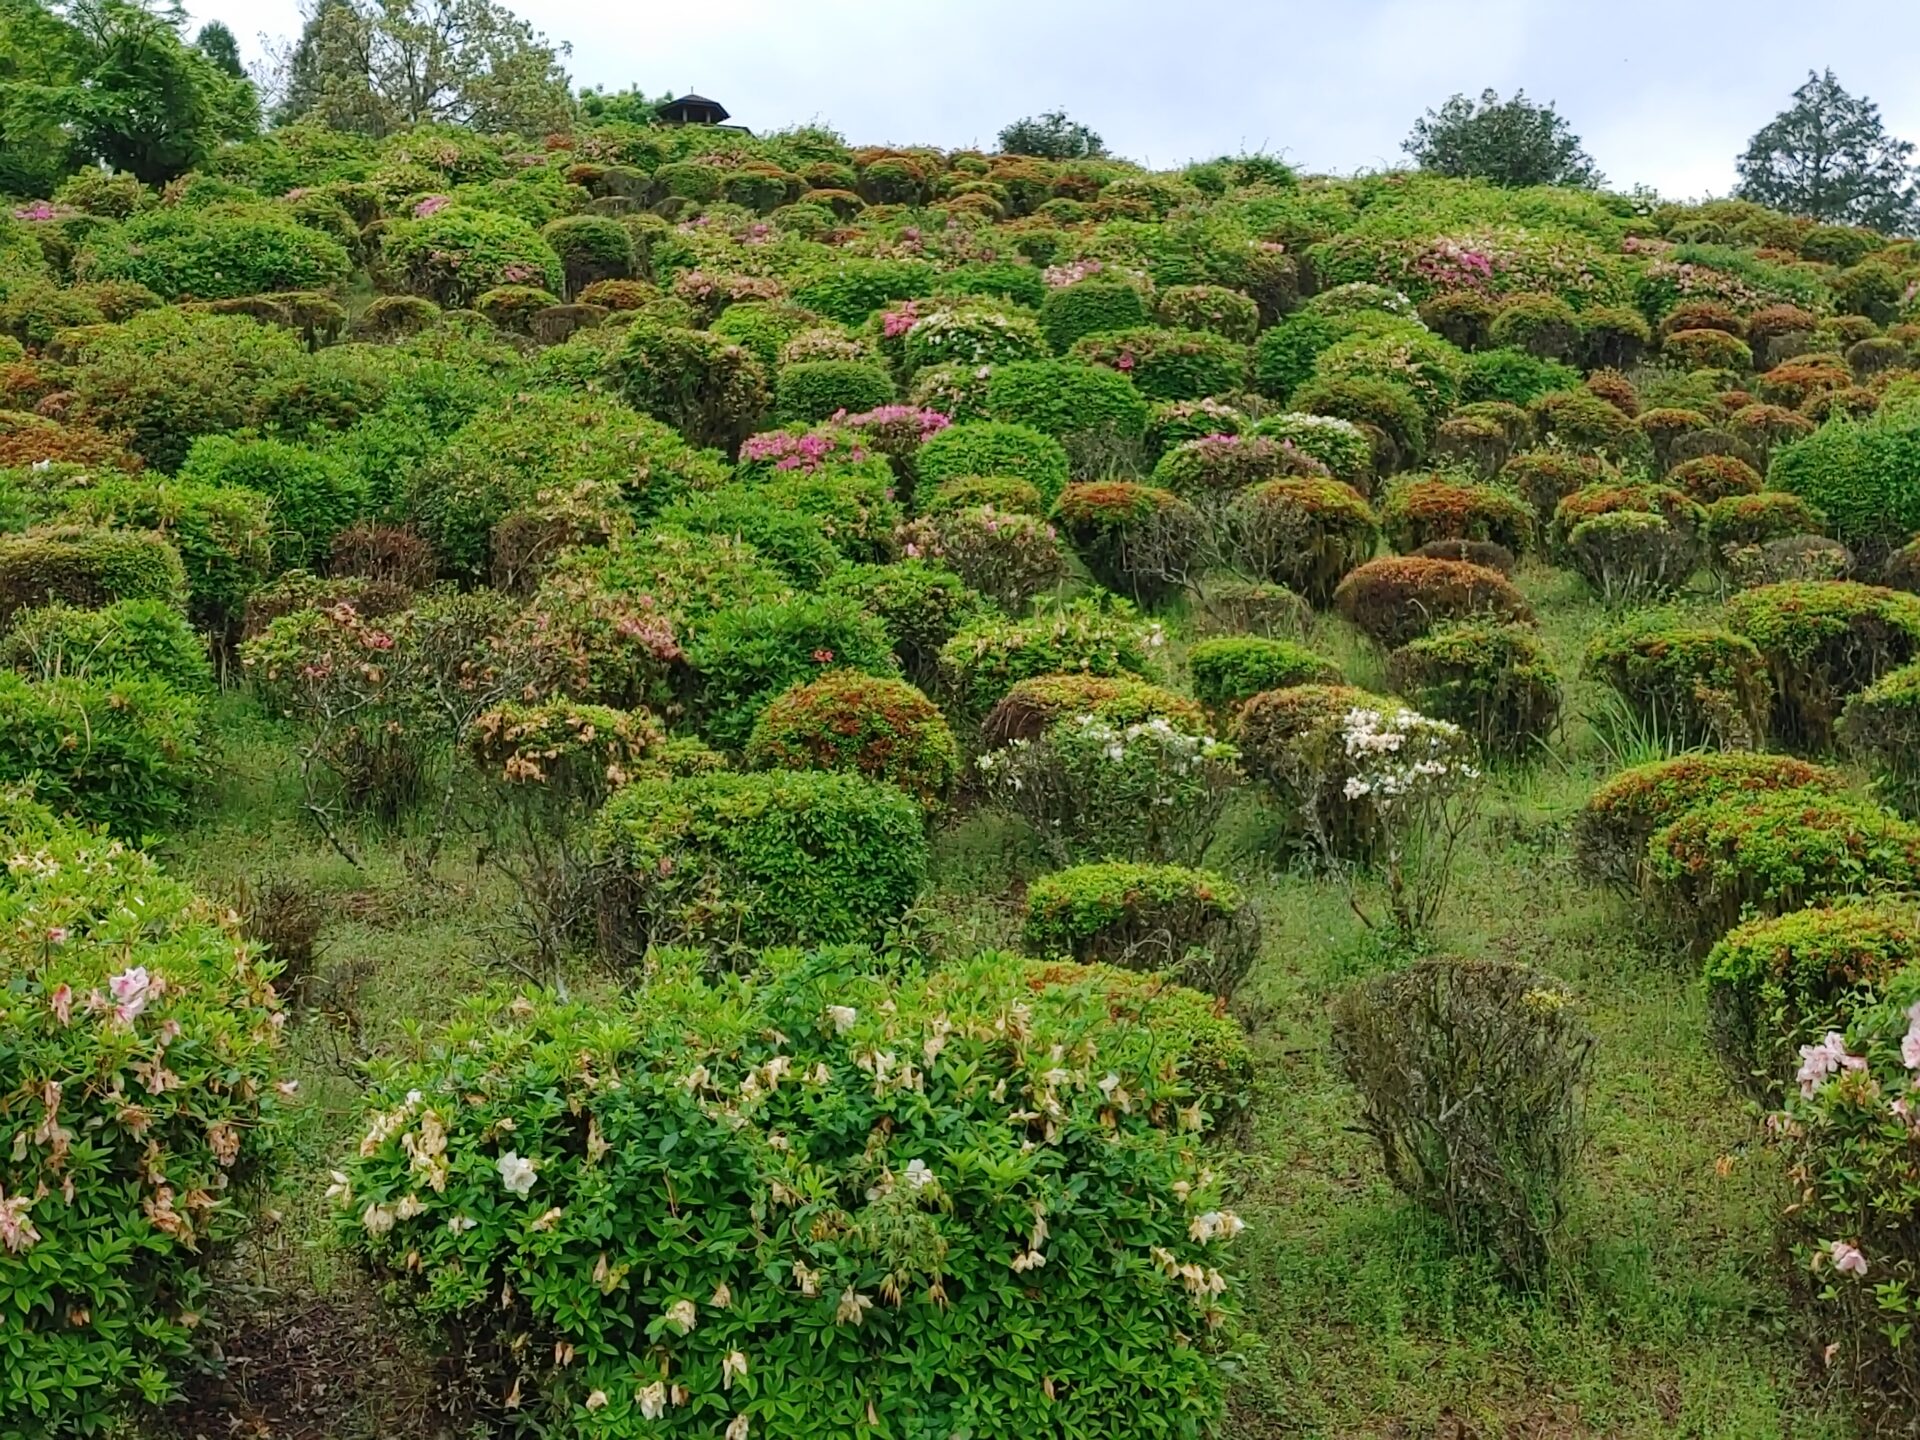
[
  {"x": 1051, "y": 136},
  {"x": 632, "y": 106},
  {"x": 377, "y": 66},
  {"x": 217, "y": 43},
  {"x": 1509, "y": 142},
  {"x": 1828, "y": 156},
  {"x": 39, "y": 56}
]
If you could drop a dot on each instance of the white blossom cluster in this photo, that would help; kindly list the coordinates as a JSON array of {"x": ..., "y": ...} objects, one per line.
[{"x": 1402, "y": 755}]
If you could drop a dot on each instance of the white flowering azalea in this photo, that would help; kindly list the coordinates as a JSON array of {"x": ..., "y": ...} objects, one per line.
[
  {"x": 919, "y": 1176},
  {"x": 682, "y": 1315},
  {"x": 843, "y": 1017},
  {"x": 516, "y": 1173},
  {"x": 653, "y": 1401}
]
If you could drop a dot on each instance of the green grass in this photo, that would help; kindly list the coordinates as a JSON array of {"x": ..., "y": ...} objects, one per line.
[{"x": 1665, "y": 1317}]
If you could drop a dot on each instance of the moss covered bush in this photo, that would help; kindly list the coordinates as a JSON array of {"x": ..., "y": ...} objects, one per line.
[
  {"x": 1137, "y": 540},
  {"x": 1191, "y": 925},
  {"x": 1495, "y": 681},
  {"x": 902, "y": 1251},
  {"x": 1823, "y": 641},
  {"x": 1399, "y": 598},
  {"x": 1772, "y": 854},
  {"x": 1417, "y": 512},
  {"x": 1611, "y": 831},
  {"x": 126, "y": 1248},
  {"x": 1693, "y": 684},
  {"x": 710, "y": 860},
  {"x": 1231, "y": 669},
  {"x": 876, "y": 726},
  {"x": 1304, "y": 534}
]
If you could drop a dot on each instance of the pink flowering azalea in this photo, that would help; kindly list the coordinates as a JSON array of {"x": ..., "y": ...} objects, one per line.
[
  {"x": 1910, "y": 1043},
  {"x": 432, "y": 205},
  {"x": 62, "y": 1002},
  {"x": 1819, "y": 1062},
  {"x": 16, "y": 1230},
  {"x": 131, "y": 990},
  {"x": 1847, "y": 1259}
]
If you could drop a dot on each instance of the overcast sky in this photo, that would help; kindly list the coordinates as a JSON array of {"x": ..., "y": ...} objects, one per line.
[{"x": 1663, "y": 92}]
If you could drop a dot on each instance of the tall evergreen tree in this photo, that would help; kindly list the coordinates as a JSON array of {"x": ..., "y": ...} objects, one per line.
[{"x": 1828, "y": 156}]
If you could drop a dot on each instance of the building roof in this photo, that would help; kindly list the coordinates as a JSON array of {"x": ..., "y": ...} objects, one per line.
[{"x": 687, "y": 103}]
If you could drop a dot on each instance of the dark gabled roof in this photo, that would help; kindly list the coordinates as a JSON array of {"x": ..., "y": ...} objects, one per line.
[{"x": 686, "y": 103}]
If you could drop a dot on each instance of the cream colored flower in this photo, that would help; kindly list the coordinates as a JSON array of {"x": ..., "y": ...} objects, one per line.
[
  {"x": 843, "y": 1017},
  {"x": 722, "y": 1296},
  {"x": 378, "y": 1219},
  {"x": 682, "y": 1315},
  {"x": 597, "y": 1400},
  {"x": 653, "y": 1401},
  {"x": 738, "y": 1429},
  {"x": 852, "y": 1309},
  {"x": 734, "y": 1365},
  {"x": 515, "y": 1173}
]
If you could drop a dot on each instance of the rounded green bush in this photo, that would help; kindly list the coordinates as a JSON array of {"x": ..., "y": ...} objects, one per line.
[
  {"x": 1388, "y": 408},
  {"x": 1014, "y": 280},
  {"x": 127, "y": 640},
  {"x": 1693, "y": 684},
  {"x": 88, "y": 568},
  {"x": 1773, "y": 854},
  {"x": 711, "y": 391},
  {"x": 854, "y": 288},
  {"x": 1192, "y": 925},
  {"x": 591, "y": 248},
  {"x": 872, "y": 725},
  {"x": 1168, "y": 364},
  {"x": 1174, "y": 422},
  {"x": 1213, "y": 308},
  {"x": 1881, "y": 726},
  {"x": 125, "y": 754},
  {"x": 1424, "y": 365},
  {"x": 1610, "y": 833},
  {"x": 1340, "y": 445},
  {"x": 970, "y": 335},
  {"x": 996, "y": 448},
  {"x": 989, "y": 655},
  {"x": 1069, "y": 313},
  {"x": 1859, "y": 475},
  {"x": 454, "y": 255},
  {"x": 1136, "y": 540},
  {"x": 921, "y": 604},
  {"x": 1777, "y": 984},
  {"x": 792, "y": 541},
  {"x": 1513, "y": 376},
  {"x": 1232, "y": 669},
  {"x": 935, "y": 1192},
  {"x": 778, "y": 857},
  {"x": 106, "y": 1281},
  {"x": 1739, "y": 520},
  {"x": 745, "y": 656},
  {"x": 1216, "y": 466},
  {"x": 1823, "y": 641},
  {"x": 815, "y": 390},
  {"x": 1305, "y": 534},
  {"x": 1494, "y": 681},
  {"x": 182, "y": 254},
  {"x": 1082, "y": 406},
  {"x": 311, "y": 496},
  {"x": 997, "y": 492}
]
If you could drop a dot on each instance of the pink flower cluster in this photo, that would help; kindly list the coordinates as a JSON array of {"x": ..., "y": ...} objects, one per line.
[
  {"x": 804, "y": 453},
  {"x": 1062, "y": 275},
  {"x": 897, "y": 321},
  {"x": 1819, "y": 1062},
  {"x": 893, "y": 418},
  {"x": 519, "y": 274},
  {"x": 40, "y": 210},
  {"x": 432, "y": 205}
]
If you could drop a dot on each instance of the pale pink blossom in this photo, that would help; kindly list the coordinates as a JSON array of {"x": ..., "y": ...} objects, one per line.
[{"x": 1847, "y": 1259}]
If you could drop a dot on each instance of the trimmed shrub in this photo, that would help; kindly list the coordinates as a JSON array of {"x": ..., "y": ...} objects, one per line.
[
  {"x": 1546, "y": 477},
  {"x": 1007, "y": 557},
  {"x": 793, "y": 542},
  {"x": 1881, "y": 726},
  {"x": 1417, "y": 512},
  {"x": 876, "y": 726},
  {"x": 1779, "y": 984},
  {"x": 1192, "y": 925},
  {"x": 918, "y": 1270},
  {"x": 816, "y": 390},
  {"x": 1212, "y": 308},
  {"x": 743, "y": 657},
  {"x": 712, "y": 392},
  {"x": 1168, "y": 364},
  {"x": 1542, "y": 325},
  {"x": 1584, "y": 422},
  {"x": 1794, "y": 558},
  {"x": 748, "y": 860},
  {"x": 1096, "y": 413},
  {"x": 1305, "y": 534},
  {"x": 854, "y": 288},
  {"x": 311, "y": 496},
  {"x": 1693, "y": 684},
  {"x": 1389, "y": 409},
  {"x": 1034, "y": 705},
  {"x": 1483, "y": 553},
  {"x": 1340, "y": 445},
  {"x": 1714, "y": 477},
  {"x": 592, "y": 249},
  {"x": 998, "y": 492},
  {"x": 1706, "y": 349},
  {"x": 120, "y": 753},
  {"x": 88, "y": 569},
  {"x": 106, "y": 1281},
  {"x": 1772, "y": 854},
  {"x": 1288, "y": 741},
  {"x": 1472, "y": 1077},
  {"x": 1513, "y": 376},
  {"x": 979, "y": 448},
  {"x": 1174, "y": 422},
  {"x": 1218, "y": 465},
  {"x": 1095, "y": 790},
  {"x": 1229, "y": 671},
  {"x": 182, "y": 254},
  {"x": 1251, "y": 607},
  {"x": 1738, "y": 520},
  {"x": 988, "y": 656},
  {"x": 970, "y": 335},
  {"x": 1090, "y": 307},
  {"x": 1632, "y": 556},
  {"x": 128, "y": 640},
  {"x": 1862, "y": 477},
  {"x": 1397, "y": 599},
  {"x": 1494, "y": 681},
  {"x": 1823, "y": 641},
  {"x": 1136, "y": 540},
  {"x": 454, "y": 255}
]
